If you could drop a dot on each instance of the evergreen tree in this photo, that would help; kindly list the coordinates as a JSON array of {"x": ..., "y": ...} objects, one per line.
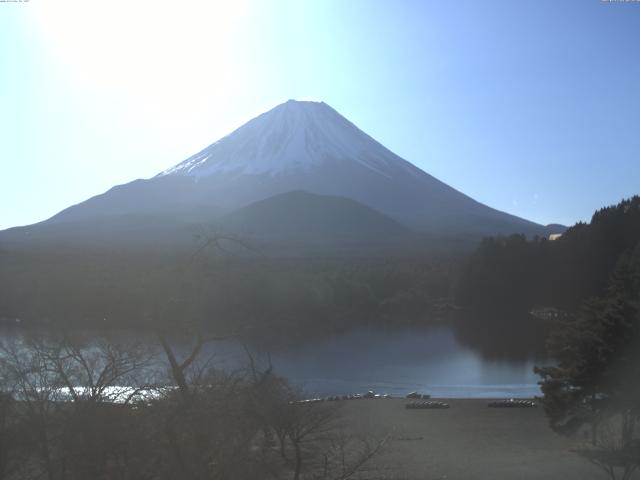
[
  {"x": 598, "y": 363},
  {"x": 514, "y": 273}
]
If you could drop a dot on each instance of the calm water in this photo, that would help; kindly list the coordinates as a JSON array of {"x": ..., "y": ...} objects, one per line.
[
  {"x": 395, "y": 362},
  {"x": 433, "y": 361}
]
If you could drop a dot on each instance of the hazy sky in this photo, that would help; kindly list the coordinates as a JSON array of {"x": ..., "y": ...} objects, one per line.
[{"x": 532, "y": 107}]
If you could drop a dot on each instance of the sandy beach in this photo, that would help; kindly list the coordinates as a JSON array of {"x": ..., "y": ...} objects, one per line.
[{"x": 467, "y": 441}]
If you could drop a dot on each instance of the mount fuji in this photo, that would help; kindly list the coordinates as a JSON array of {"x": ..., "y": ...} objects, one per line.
[{"x": 243, "y": 184}]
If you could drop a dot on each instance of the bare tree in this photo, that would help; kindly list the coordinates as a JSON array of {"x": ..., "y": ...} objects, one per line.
[
  {"x": 37, "y": 390},
  {"x": 315, "y": 444},
  {"x": 613, "y": 447},
  {"x": 72, "y": 399}
]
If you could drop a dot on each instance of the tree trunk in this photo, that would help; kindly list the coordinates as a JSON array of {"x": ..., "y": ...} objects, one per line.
[{"x": 298, "y": 468}]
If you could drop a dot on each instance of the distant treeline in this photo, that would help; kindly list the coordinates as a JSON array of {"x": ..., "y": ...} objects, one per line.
[
  {"x": 251, "y": 294},
  {"x": 222, "y": 292},
  {"x": 516, "y": 274}
]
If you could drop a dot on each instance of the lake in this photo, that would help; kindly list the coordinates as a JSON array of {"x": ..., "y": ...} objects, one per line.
[
  {"x": 436, "y": 361},
  {"x": 394, "y": 361}
]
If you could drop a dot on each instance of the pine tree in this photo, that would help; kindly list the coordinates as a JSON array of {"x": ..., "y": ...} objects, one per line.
[{"x": 598, "y": 364}]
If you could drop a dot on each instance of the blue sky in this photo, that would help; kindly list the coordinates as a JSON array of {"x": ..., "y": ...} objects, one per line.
[{"x": 530, "y": 106}]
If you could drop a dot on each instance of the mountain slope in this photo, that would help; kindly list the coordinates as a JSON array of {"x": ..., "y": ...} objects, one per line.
[
  {"x": 292, "y": 138},
  {"x": 299, "y": 146},
  {"x": 116, "y": 233},
  {"x": 299, "y": 222},
  {"x": 302, "y": 214}
]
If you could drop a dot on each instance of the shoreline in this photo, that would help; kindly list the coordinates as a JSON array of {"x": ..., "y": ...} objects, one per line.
[{"x": 469, "y": 440}]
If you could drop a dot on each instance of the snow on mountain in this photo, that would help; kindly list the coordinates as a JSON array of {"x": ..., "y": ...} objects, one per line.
[
  {"x": 292, "y": 137},
  {"x": 299, "y": 146}
]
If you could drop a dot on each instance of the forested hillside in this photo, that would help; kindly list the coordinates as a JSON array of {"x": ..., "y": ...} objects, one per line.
[
  {"x": 221, "y": 292},
  {"x": 516, "y": 274}
]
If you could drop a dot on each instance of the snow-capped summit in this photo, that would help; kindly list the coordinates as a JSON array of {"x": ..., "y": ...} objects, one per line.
[
  {"x": 297, "y": 146},
  {"x": 294, "y": 136}
]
